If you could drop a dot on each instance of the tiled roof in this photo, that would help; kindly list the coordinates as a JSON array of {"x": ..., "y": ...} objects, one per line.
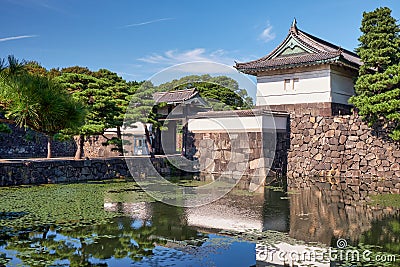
[
  {"x": 238, "y": 113},
  {"x": 288, "y": 61},
  {"x": 177, "y": 96},
  {"x": 319, "y": 52}
]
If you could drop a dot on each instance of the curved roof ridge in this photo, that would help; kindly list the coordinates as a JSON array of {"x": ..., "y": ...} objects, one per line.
[
  {"x": 325, "y": 44},
  {"x": 318, "y": 50},
  {"x": 292, "y": 33}
]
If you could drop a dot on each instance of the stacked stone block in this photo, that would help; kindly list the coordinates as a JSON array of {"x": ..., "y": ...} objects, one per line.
[{"x": 344, "y": 152}]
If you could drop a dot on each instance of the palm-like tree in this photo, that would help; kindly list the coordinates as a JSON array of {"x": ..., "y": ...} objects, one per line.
[{"x": 37, "y": 102}]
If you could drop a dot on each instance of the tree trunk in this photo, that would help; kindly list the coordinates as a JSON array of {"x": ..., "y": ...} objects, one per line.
[
  {"x": 79, "y": 149},
  {"x": 49, "y": 142},
  {"x": 119, "y": 136},
  {"x": 184, "y": 139},
  {"x": 147, "y": 134}
]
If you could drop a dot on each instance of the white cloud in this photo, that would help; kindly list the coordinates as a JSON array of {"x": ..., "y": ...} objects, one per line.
[
  {"x": 174, "y": 64},
  {"x": 16, "y": 37},
  {"x": 172, "y": 57},
  {"x": 267, "y": 34},
  {"x": 121, "y": 73},
  {"x": 147, "y": 22}
]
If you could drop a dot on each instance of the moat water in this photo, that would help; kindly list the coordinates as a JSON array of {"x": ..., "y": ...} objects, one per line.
[{"x": 115, "y": 223}]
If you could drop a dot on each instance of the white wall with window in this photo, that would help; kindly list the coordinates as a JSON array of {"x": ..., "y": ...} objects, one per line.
[{"x": 313, "y": 84}]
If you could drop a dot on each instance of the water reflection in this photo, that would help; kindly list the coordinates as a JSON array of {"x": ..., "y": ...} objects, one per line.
[
  {"x": 125, "y": 241},
  {"x": 385, "y": 233},
  {"x": 146, "y": 233},
  {"x": 84, "y": 245},
  {"x": 311, "y": 215},
  {"x": 318, "y": 215},
  {"x": 237, "y": 211}
]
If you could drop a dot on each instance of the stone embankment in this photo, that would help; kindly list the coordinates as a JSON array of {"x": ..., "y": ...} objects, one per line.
[
  {"x": 343, "y": 152},
  {"x": 45, "y": 171}
]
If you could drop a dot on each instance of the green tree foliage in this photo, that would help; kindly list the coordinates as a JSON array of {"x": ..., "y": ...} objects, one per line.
[
  {"x": 34, "y": 68},
  {"x": 142, "y": 108},
  {"x": 378, "y": 85},
  {"x": 221, "y": 92},
  {"x": 105, "y": 95},
  {"x": 77, "y": 70},
  {"x": 37, "y": 102},
  {"x": 220, "y": 88}
]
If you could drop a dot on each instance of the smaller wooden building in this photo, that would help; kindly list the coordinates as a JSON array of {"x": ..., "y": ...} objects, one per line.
[{"x": 179, "y": 105}]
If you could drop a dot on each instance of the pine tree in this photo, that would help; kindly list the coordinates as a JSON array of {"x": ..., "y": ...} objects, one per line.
[
  {"x": 105, "y": 95},
  {"x": 143, "y": 109},
  {"x": 378, "y": 85}
]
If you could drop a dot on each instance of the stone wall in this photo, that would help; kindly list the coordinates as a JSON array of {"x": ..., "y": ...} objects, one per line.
[
  {"x": 345, "y": 152},
  {"x": 23, "y": 143},
  {"x": 94, "y": 148},
  {"x": 315, "y": 109},
  {"x": 255, "y": 154},
  {"x": 67, "y": 171}
]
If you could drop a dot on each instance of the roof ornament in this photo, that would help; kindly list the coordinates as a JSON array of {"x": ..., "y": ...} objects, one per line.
[
  {"x": 339, "y": 51},
  {"x": 294, "y": 26}
]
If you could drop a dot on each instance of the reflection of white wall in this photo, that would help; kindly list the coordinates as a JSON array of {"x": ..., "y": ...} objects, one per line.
[
  {"x": 140, "y": 210},
  {"x": 221, "y": 216},
  {"x": 216, "y": 216},
  {"x": 305, "y": 85}
]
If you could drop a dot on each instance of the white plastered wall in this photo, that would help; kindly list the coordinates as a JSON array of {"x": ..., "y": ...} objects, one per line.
[
  {"x": 316, "y": 84},
  {"x": 342, "y": 84}
]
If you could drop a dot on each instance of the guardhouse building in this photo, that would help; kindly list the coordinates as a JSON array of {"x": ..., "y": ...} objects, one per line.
[{"x": 305, "y": 75}]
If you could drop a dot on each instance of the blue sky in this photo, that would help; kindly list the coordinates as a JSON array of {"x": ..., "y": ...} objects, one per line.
[{"x": 139, "y": 38}]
